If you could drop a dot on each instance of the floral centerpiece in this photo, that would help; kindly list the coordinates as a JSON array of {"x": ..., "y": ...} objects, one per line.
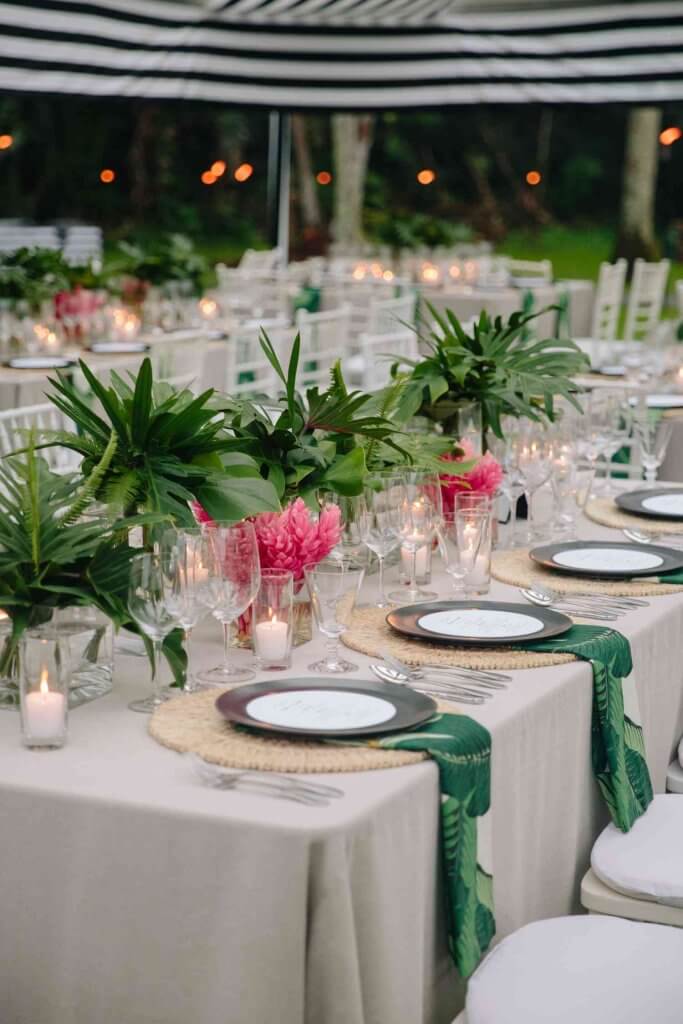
[
  {"x": 484, "y": 477},
  {"x": 290, "y": 540}
]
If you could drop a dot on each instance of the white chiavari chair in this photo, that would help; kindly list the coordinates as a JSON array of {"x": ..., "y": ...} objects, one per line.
[
  {"x": 325, "y": 338},
  {"x": 646, "y": 298},
  {"x": 369, "y": 369},
  {"x": 609, "y": 296},
  {"x": 180, "y": 361},
  {"x": 387, "y": 315},
  {"x": 248, "y": 372},
  {"x": 16, "y": 424}
]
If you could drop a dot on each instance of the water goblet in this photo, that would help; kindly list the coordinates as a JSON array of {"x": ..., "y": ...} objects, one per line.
[
  {"x": 153, "y": 605},
  {"x": 234, "y": 575},
  {"x": 417, "y": 522},
  {"x": 333, "y": 585},
  {"x": 379, "y": 520},
  {"x": 653, "y": 440},
  {"x": 195, "y": 597}
]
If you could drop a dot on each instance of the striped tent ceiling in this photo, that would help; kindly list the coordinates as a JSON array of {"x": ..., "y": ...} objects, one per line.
[{"x": 345, "y": 54}]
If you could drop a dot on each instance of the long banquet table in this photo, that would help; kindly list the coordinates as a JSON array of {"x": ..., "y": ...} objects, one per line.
[{"x": 132, "y": 893}]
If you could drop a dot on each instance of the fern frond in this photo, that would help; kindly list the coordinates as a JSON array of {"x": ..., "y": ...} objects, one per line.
[{"x": 92, "y": 484}]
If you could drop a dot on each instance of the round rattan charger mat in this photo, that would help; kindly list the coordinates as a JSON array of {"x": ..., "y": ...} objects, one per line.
[
  {"x": 516, "y": 568},
  {"x": 192, "y": 724},
  {"x": 605, "y": 512},
  {"x": 369, "y": 634}
]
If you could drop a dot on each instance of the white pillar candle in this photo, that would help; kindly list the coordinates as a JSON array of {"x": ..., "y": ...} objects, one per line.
[
  {"x": 479, "y": 573},
  {"x": 44, "y": 712},
  {"x": 420, "y": 561},
  {"x": 271, "y": 640}
]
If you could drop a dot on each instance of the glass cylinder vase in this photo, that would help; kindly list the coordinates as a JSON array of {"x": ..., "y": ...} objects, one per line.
[{"x": 45, "y": 679}]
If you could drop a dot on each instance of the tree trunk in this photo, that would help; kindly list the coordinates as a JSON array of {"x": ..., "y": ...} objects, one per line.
[
  {"x": 141, "y": 159},
  {"x": 352, "y": 138},
  {"x": 637, "y": 223},
  {"x": 491, "y": 218},
  {"x": 310, "y": 207}
]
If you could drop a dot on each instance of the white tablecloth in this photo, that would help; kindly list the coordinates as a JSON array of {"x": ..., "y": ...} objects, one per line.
[
  {"x": 133, "y": 895},
  {"x": 467, "y": 302}
]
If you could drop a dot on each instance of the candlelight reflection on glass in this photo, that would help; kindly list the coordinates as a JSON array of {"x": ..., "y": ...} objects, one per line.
[
  {"x": 473, "y": 530},
  {"x": 272, "y": 619},
  {"x": 44, "y": 693},
  {"x": 417, "y": 522}
]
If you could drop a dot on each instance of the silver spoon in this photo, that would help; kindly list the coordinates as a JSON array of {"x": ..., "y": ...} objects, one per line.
[
  {"x": 638, "y": 537},
  {"x": 446, "y": 692},
  {"x": 467, "y": 674},
  {"x": 449, "y": 680},
  {"x": 578, "y": 611}
]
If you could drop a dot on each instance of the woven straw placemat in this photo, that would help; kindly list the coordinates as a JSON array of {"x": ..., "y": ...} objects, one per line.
[
  {"x": 605, "y": 512},
  {"x": 516, "y": 568},
  {"x": 192, "y": 724},
  {"x": 369, "y": 634}
]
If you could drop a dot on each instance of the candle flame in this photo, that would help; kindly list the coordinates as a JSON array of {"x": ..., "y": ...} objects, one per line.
[{"x": 43, "y": 681}]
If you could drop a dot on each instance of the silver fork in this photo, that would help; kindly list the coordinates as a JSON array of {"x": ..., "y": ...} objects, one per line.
[
  {"x": 474, "y": 677},
  {"x": 285, "y": 787}
]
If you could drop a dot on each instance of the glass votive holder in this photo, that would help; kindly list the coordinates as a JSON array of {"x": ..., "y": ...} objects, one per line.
[
  {"x": 44, "y": 689},
  {"x": 272, "y": 619},
  {"x": 473, "y": 527},
  {"x": 423, "y": 564}
]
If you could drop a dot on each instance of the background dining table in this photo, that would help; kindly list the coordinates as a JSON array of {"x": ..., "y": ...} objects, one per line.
[{"x": 131, "y": 892}]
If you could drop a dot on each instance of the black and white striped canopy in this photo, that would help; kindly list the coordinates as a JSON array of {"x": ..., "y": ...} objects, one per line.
[{"x": 345, "y": 54}]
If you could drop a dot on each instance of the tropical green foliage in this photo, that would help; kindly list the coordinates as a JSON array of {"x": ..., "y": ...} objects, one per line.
[
  {"x": 50, "y": 557},
  {"x": 32, "y": 275},
  {"x": 172, "y": 448},
  {"x": 171, "y": 258},
  {"x": 319, "y": 440},
  {"x": 496, "y": 365}
]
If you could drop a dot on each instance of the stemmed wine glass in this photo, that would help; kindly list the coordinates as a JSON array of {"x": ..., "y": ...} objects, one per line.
[
  {"x": 350, "y": 543},
  {"x": 333, "y": 585},
  {"x": 153, "y": 605},
  {"x": 653, "y": 440},
  {"x": 195, "y": 596},
  {"x": 534, "y": 460},
  {"x": 234, "y": 574},
  {"x": 380, "y": 520}
]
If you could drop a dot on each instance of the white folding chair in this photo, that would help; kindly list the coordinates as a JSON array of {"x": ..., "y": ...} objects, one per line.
[
  {"x": 14, "y": 427},
  {"x": 646, "y": 299},
  {"x": 369, "y": 368},
  {"x": 387, "y": 315},
  {"x": 325, "y": 338},
  {"x": 609, "y": 296}
]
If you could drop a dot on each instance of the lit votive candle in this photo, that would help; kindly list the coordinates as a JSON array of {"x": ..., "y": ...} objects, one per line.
[
  {"x": 44, "y": 715},
  {"x": 421, "y": 556},
  {"x": 271, "y": 640}
]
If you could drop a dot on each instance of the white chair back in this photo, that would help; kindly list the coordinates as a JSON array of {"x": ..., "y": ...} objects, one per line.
[
  {"x": 325, "y": 338},
  {"x": 248, "y": 372},
  {"x": 379, "y": 351},
  {"x": 180, "y": 362},
  {"x": 608, "y": 299},
  {"x": 541, "y": 269},
  {"x": 262, "y": 260},
  {"x": 82, "y": 244},
  {"x": 646, "y": 299},
  {"x": 387, "y": 315},
  {"x": 14, "y": 424},
  {"x": 19, "y": 236}
]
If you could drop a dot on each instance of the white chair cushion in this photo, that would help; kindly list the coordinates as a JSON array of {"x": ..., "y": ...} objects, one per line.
[
  {"x": 646, "y": 862},
  {"x": 581, "y": 970}
]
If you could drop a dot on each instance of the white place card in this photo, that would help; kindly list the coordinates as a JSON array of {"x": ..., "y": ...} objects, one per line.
[
  {"x": 480, "y": 623},
  {"x": 668, "y": 504},
  {"x": 608, "y": 559},
  {"x": 321, "y": 709}
]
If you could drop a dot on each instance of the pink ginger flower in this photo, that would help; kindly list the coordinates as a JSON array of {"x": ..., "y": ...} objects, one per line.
[{"x": 484, "y": 478}]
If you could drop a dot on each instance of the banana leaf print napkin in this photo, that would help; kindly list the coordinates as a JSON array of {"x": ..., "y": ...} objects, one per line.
[
  {"x": 671, "y": 577},
  {"x": 461, "y": 749},
  {"x": 618, "y": 750}
]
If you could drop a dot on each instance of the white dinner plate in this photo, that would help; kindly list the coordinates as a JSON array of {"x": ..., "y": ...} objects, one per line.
[
  {"x": 39, "y": 362},
  {"x": 608, "y": 559},
  {"x": 320, "y": 709},
  {"x": 117, "y": 347}
]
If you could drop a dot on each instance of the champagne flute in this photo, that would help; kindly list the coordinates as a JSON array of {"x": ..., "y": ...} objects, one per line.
[
  {"x": 153, "y": 605},
  {"x": 234, "y": 573},
  {"x": 380, "y": 520}
]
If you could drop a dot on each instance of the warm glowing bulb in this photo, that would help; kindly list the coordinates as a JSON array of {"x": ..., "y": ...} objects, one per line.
[
  {"x": 208, "y": 307},
  {"x": 670, "y": 135},
  {"x": 208, "y": 178},
  {"x": 6, "y": 141},
  {"x": 533, "y": 178},
  {"x": 323, "y": 177},
  {"x": 218, "y": 167},
  {"x": 426, "y": 176},
  {"x": 244, "y": 172},
  {"x": 107, "y": 176}
]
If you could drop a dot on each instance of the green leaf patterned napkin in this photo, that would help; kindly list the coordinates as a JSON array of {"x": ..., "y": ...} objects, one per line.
[
  {"x": 461, "y": 749},
  {"x": 618, "y": 750},
  {"x": 671, "y": 577}
]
